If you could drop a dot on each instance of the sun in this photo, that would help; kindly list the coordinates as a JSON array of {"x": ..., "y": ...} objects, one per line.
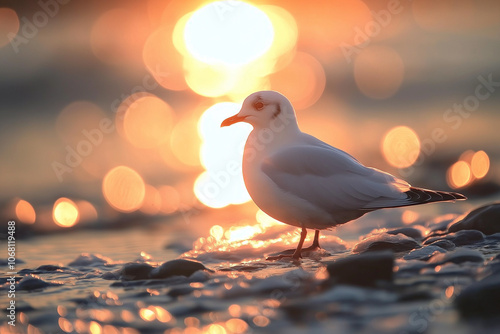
[{"x": 228, "y": 33}]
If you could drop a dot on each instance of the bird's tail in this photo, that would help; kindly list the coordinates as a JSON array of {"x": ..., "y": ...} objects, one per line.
[{"x": 421, "y": 196}]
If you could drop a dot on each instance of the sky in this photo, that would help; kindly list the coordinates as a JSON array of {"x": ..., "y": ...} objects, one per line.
[{"x": 102, "y": 99}]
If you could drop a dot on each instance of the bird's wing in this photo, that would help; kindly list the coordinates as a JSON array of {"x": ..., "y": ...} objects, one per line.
[{"x": 332, "y": 180}]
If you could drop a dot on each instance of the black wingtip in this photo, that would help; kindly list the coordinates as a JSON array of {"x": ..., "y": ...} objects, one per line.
[{"x": 419, "y": 195}]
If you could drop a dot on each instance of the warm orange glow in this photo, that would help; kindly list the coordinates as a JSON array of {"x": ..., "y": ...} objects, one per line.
[
  {"x": 162, "y": 315},
  {"x": 409, "y": 217},
  {"x": 9, "y": 25},
  {"x": 236, "y": 325},
  {"x": 261, "y": 321},
  {"x": 238, "y": 233},
  {"x": 234, "y": 310},
  {"x": 25, "y": 212},
  {"x": 95, "y": 328},
  {"x": 123, "y": 189},
  {"x": 265, "y": 220},
  {"x": 163, "y": 61},
  {"x": 233, "y": 36},
  {"x": 222, "y": 182},
  {"x": 215, "y": 329},
  {"x": 147, "y": 314},
  {"x": 87, "y": 211},
  {"x": 459, "y": 174},
  {"x": 480, "y": 164},
  {"x": 147, "y": 122},
  {"x": 449, "y": 291},
  {"x": 236, "y": 60},
  {"x": 65, "y": 212},
  {"x": 378, "y": 72},
  {"x": 118, "y": 35},
  {"x": 217, "y": 232},
  {"x": 184, "y": 145},
  {"x": 306, "y": 91},
  {"x": 170, "y": 199},
  {"x": 152, "y": 200},
  {"x": 65, "y": 325},
  {"x": 401, "y": 147},
  {"x": 328, "y": 23}
]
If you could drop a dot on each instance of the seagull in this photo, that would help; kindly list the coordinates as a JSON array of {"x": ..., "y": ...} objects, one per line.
[{"x": 304, "y": 182}]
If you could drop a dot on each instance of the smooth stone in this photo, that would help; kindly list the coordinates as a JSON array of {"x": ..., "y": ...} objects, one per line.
[
  {"x": 460, "y": 255},
  {"x": 50, "y": 267},
  {"x": 178, "y": 267},
  {"x": 411, "y": 232},
  {"x": 444, "y": 244},
  {"x": 87, "y": 259},
  {"x": 362, "y": 269},
  {"x": 34, "y": 283},
  {"x": 485, "y": 219},
  {"x": 385, "y": 241},
  {"x": 135, "y": 271},
  {"x": 424, "y": 253},
  {"x": 480, "y": 299},
  {"x": 460, "y": 238}
]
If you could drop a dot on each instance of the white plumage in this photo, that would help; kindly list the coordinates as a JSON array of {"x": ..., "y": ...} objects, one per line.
[{"x": 302, "y": 181}]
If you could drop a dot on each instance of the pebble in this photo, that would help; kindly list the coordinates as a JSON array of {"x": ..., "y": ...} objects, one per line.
[
  {"x": 458, "y": 256},
  {"x": 460, "y": 238},
  {"x": 385, "y": 241},
  {"x": 362, "y": 269},
  {"x": 178, "y": 267},
  {"x": 33, "y": 282},
  {"x": 485, "y": 219},
  {"x": 480, "y": 299},
  {"x": 444, "y": 244},
  {"x": 135, "y": 271}
]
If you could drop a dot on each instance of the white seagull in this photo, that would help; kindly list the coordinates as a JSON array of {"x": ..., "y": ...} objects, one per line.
[{"x": 302, "y": 181}]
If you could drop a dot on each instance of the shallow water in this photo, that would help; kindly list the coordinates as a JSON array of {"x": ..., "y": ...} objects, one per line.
[{"x": 244, "y": 293}]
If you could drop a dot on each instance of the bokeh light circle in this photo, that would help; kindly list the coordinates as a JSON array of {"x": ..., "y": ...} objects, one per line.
[
  {"x": 228, "y": 32},
  {"x": 459, "y": 175},
  {"x": 25, "y": 212},
  {"x": 124, "y": 189},
  {"x": 65, "y": 212},
  {"x": 401, "y": 147},
  {"x": 480, "y": 164}
]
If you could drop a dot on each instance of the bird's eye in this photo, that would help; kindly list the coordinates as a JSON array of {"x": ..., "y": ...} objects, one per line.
[{"x": 259, "y": 105}]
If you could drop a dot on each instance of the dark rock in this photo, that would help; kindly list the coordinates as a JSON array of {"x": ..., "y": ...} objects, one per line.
[
  {"x": 50, "y": 267},
  {"x": 411, "y": 232},
  {"x": 460, "y": 238},
  {"x": 179, "y": 267},
  {"x": 385, "y": 241},
  {"x": 457, "y": 256},
  {"x": 135, "y": 271},
  {"x": 444, "y": 244},
  {"x": 485, "y": 219},
  {"x": 362, "y": 269},
  {"x": 480, "y": 299},
  {"x": 33, "y": 282}
]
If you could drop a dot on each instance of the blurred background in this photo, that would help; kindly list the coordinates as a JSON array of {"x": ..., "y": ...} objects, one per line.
[{"x": 110, "y": 111}]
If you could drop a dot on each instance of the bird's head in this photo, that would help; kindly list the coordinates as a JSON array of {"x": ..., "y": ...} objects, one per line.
[{"x": 263, "y": 110}]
